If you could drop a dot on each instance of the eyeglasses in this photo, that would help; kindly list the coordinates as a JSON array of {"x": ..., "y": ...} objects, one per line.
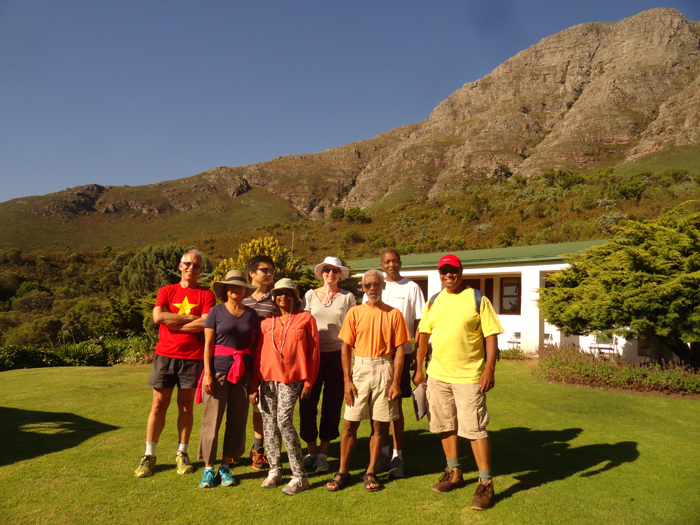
[
  {"x": 369, "y": 286},
  {"x": 195, "y": 265},
  {"x": 267, "y": 271},
  {"x": 331, "y": 270},
  {"x": 444, "y": 270}
]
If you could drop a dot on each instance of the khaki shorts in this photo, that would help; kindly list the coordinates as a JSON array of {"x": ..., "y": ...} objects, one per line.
[
  {"x": 372, "y": 377},
  {"x": 458, "y": 407}
]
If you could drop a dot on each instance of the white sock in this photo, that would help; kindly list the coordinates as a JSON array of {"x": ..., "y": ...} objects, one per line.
[
  {"x": 323, "y": 456},
  {"x": 182, "y": 447},
  {"x": 386, "y": 450},
  {"x": 397, "y": 454},
  {"x": 151, "y": 448}
]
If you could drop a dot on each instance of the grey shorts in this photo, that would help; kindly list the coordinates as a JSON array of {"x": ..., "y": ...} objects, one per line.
[{"x": 169, "y": 372}]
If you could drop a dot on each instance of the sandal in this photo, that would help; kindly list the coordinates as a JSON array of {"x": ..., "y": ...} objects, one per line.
[
  {"x": 371, "y": 479},
  {"x": 340, "y": 483}
]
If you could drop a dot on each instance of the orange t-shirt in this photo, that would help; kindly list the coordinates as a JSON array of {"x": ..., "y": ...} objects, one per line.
[{"x": 374, "y": 331}]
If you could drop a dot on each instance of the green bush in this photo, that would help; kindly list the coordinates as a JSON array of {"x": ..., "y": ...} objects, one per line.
[
  {"x": 512, "y": 354},
  {"x": 570, "y": 365},
  {"x": 87, "y": 353},
  {"x": 13, "y": 357},
  {"x": 132, "y": 350}
]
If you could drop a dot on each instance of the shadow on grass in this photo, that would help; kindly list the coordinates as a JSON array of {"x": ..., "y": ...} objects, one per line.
[
  {"x": 537, "y": 457},
  {"x": 27, "y": 434}
]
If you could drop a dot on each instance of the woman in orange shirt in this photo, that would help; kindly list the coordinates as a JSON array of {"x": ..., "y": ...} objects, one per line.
[{"x": 286, "y": 365}]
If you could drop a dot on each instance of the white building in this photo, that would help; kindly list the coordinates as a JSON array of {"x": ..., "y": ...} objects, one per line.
[{"x": 510, "y": 277}]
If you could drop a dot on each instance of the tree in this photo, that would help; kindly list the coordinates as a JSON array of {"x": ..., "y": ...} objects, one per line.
[
  {"x": 644, "y": 282},
  {"x": 153, "y": 267},
  {"x": 285, "y": 264}
]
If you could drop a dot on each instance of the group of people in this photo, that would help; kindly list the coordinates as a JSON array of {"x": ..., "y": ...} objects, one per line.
[{"x": 264, "y": 345}]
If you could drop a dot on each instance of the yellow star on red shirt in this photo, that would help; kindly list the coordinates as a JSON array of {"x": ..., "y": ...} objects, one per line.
[{"x": 185, "y": 307}]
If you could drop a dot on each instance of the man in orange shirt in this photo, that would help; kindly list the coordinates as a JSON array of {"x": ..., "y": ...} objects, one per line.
[{"x": 375, "y": 332}]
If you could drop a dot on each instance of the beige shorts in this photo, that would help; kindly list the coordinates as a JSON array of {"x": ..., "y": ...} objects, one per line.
[
  {"x": 372, "y": 377},
  {"x": 458, "y": 407}
]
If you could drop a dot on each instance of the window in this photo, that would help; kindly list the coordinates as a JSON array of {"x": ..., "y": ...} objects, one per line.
[{"x": 510, "y": 296}]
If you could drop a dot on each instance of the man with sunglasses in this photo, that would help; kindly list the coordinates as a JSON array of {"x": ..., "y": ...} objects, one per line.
[
  {"x": 179, "y": 312},
  {"x": 463, "y": 329},
  {"x": 261, "y": 271}
]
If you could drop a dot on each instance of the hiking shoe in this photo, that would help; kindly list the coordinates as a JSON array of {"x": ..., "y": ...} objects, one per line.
[
  {"x": 274, "y": 478},
  {"x": 146, "y": 467},
  {"x": 296, "y": 485},
  {"x": 483, "y": 497},
  {"x": 227, "y": 479},
  {"x": 321, "y": 465},
  {"x": 182, "y": 460},
  {"x": 258, "y": 458},
  {"x": 396, "y": 468},
  {"x": 209, "y": 479},
  {"x": 309, "y": 461},
  {"x": 451, "y": 479}
]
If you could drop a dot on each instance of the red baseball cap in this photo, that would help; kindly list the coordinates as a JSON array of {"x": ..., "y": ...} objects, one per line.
[{"x": 450, "y": 259}]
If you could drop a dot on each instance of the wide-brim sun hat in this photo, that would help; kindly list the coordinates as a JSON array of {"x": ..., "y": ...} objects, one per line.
[
  {"x": 233, "y": 278},
  {"x": 285, "y": 284},
  {"x": 332, "y": 261}
]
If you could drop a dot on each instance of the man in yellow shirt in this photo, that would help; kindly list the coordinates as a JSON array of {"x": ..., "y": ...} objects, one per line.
[
  {"x": 375, "y": 332},
  {"x": 463, "y": 328}
]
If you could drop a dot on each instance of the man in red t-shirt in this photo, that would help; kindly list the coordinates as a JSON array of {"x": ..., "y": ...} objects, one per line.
[{"x": 180, "y": 311}]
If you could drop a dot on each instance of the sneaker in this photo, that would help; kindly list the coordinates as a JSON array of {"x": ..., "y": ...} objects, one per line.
[
  {"x": 146, "y": 467},
  {"x": 483, "y": 497},
  {"x": 258, "y": 458},
  {"x": 209, "y": 479},
  {"x": 274, "y": 478},
  {"x": 321, "y": 465},
  {"x": 296, "y": 485},
  {"x": 309, "y": 461},
  {"x": 383, "y": 463},
  {"x": 182, "y": 460},
  {"x": 227, "y": 479},
  {"x": 451, "y": 479},
  {"x": 396, "y": 468}
]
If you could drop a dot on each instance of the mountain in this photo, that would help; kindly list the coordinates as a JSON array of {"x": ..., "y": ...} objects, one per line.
[{"x": 596, "y": 95}]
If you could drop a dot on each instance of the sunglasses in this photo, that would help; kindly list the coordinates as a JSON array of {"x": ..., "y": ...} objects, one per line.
[
  {"x": 286, "y": 293},
  {"x": 449, "y": 269},
  {"x": 331, "y": 270},
  {"x": 267, "y": 271},
  {"x": 195, "y": 265}
]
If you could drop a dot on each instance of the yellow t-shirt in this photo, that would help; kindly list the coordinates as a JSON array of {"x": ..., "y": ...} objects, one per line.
[
  {"x": 456, "y": 335},
  {"x": 374, "y": 331}
]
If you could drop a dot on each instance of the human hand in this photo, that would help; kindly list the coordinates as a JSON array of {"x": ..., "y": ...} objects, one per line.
[
  {"x": 418, "y": 378},
  {"x": 208, "y": 384},
  {"x": 350, "y": 393},
  {"x": 306, "y": 392},
  {"x": 487, "y": 380},
  {"x": 253, "y": 398}
]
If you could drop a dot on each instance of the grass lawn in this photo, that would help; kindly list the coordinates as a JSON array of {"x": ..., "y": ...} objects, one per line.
[{"x": 71, "y": 437}]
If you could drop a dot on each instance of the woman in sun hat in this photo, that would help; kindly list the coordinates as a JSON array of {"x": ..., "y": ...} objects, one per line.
[
  {"x": 286, "y": 365},
  {"x": 230, "y": 331},
  {"x": 328, "y": 304}
]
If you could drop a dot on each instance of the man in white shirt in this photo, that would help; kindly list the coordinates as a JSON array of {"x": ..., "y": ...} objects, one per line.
[{"x": 406, "y": 296}]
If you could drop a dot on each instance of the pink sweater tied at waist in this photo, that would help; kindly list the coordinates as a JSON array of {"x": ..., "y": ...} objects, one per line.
[{"x": 235, "y": 373}]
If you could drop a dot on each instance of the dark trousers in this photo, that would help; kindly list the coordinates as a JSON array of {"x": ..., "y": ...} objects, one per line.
[{"x": 330, "y": 380}]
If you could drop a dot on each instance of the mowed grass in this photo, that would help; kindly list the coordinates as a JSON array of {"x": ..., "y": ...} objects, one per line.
[{"x": 71, "y": 438}]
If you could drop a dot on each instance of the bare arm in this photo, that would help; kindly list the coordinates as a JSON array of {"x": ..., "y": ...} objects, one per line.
[
  {"x": 208, "y": 381},
  {"x": 181, "y": 323},
  {"x": 422, "y": 351},
  {"x": 487, "y": 380},
  {"x": 395, "y": 389},
  {"x": 346, "y": 359}
]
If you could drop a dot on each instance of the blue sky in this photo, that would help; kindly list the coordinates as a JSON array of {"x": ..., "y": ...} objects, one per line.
[{"x": 134, "y": 92}]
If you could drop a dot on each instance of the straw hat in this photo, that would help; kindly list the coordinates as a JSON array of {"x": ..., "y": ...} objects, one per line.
[
  {"x": 332, "y": 261},
  {"x": 233, "y": 278},
  {"x": 286, "y": 284}
]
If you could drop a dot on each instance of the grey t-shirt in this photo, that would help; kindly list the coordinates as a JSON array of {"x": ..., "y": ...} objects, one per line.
[{"x": 330, "y": 318}]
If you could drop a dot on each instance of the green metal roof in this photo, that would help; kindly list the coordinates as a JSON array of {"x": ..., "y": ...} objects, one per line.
[{"x": 497, "y": 256}]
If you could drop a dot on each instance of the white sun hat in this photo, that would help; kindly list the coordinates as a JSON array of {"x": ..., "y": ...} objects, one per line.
[{"x": 332, "y": 261}]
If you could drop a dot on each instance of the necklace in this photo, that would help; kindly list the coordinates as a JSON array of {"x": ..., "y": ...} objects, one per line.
[
  {"x": 284, "y": 334},
  {"x": 329, "y": 297}
]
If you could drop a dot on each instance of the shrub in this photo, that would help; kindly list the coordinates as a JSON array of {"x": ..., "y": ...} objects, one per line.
[
  {"x": 13, "y": 357},
  {"x": 570, "y": 365},
  {"x": 337, "y": 214},
  {"x": 512, "y": 354},
  {"x": 132, "y": 350},
  {"x": 87, "y": 353}
]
